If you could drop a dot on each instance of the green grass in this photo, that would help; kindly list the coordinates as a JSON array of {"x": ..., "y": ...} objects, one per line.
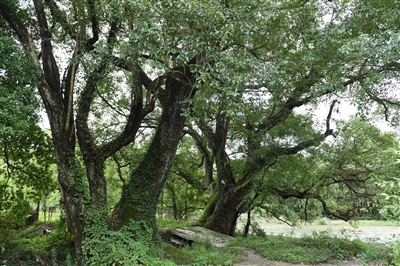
[
  {"x": 318, "y": 248},
  {"x": 29, "y": 247},
  {"x": 204, "y": 254}
]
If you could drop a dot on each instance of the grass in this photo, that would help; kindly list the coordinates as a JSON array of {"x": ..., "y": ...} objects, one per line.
[
  {"x": 317, "y": 248},
  {"x": 29, "y": 247},
  {"x": 35, "y": 246},
  {"x": 204, "y": 254}
]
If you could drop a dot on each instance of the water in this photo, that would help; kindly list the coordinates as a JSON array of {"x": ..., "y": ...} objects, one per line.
[{"x": 373, "y": 234}]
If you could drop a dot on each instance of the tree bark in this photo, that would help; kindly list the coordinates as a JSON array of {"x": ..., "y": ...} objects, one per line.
[
  {"x": 223, "y": 211},
  {"x": 140, "y": 195}
]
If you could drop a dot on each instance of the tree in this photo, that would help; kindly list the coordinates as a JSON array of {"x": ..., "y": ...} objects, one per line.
[
  {"x": 258, "y": 122},
  {"x": 129, "y": 60},
  {"x": 337, "y": 178},
  {"x": 26, "y": 152},
  {"x": 94, "y": 61},
  {"x": 183, "y": 195}
]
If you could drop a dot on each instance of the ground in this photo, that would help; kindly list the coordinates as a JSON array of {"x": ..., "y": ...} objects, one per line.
[
  {"x": 378, "y": 234},
  {"x": 253, "y": 259}
]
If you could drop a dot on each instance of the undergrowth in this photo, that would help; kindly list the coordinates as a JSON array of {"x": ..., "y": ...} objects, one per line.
[
  {"x": 35, "y": 245},
  {"x": 316, "y": 248},
  {"x": 39, "y": 244}
]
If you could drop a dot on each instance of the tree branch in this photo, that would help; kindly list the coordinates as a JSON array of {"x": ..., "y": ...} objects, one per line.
[
  {"x": 288, "y": 193},
  {"x": 190, "y": 180}
]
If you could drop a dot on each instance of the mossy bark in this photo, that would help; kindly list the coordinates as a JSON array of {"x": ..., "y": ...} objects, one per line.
[
  {"x": 71, "y": 186},
  {"x": 223, "y": 211},
  {"x": 140, "y": 195}
]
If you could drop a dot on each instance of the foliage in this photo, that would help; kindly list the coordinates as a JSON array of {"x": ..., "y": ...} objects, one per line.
[
  {"x": 34, "y": 246},
  {"x": 318, "y": 248},
  {"x": 26, "y": 150},
  {"x": 338, "y": 177},
  {"x": 203, "y": 254},
  {"x": 388, "y": 181},
  {"x": 132, "y": 245},
  {"x": 394, "y": 254},
  {"x": 184, "y": 192}
]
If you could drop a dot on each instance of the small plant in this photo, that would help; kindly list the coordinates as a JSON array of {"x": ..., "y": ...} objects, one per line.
[
  {"x": 394, "y": 253},
  {"x": 323, "y": 221},
  {"x": 257, "y": 230},
  {"x": 129, "y": 246},
  {"x": 210, "y": 255}
]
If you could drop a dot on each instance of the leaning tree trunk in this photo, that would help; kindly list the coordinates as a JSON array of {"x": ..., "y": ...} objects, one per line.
[
  {"x": 223, "y": 211},
  {"x": 140, "y": 195}
]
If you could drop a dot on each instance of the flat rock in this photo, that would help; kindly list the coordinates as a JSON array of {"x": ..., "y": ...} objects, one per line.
[{"x": 195, "y": 234}]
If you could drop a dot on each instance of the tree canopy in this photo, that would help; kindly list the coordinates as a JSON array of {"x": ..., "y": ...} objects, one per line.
[{"x": 242, "y": 79}]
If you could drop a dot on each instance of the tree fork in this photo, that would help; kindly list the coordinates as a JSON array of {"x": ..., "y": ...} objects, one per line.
[{"x": 140, "y": 194}]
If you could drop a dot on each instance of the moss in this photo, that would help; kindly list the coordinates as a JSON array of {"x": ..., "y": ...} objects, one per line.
[
  {"x": 177, "y": 255},
  {"x": 205, "y": 218}
]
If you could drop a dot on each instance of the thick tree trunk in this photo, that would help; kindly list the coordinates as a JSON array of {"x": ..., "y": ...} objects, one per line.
[
  {"x": 223, "y": 211},
  {"x": 72, "y": 195},
  {"x": 140, "y": 195}
]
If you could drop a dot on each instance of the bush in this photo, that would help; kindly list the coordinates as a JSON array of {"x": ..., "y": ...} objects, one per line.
[{"x": 129, "y": 246}]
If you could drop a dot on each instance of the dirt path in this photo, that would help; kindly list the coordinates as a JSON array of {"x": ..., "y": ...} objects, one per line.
[{"x": 251, "y": 258}]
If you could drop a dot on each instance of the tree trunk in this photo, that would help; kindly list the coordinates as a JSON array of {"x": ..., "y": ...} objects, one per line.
[
  {"x": 140, "y": 195},
  {"x": 223, "y": 211},
  {"x": 248, "y": 224},
  {"x": 72, "y": 188}
]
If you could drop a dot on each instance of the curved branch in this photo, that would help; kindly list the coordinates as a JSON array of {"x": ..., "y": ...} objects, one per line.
[
  {"x": 288, "y": 193},
  {"x": 190, "y": 180}
]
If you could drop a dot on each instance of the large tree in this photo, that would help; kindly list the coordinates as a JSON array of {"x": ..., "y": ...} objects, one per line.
[
  {"x": 104, "y": 66},
  {"x": 303, "y": 54},
  {"x": 91, "y": 53}
]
